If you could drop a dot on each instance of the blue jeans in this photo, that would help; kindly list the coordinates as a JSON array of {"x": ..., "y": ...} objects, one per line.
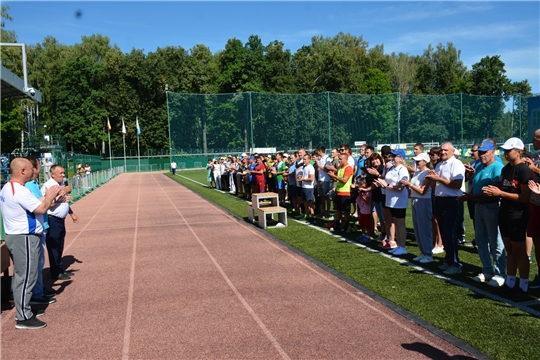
[
  {"x": 37, "y": 292},
  {"x": 422, "y": 212},
  {"x": 488, "y": 238}
]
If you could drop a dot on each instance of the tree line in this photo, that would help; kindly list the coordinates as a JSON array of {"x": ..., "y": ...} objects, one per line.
[{"x": 85, "y": 84}]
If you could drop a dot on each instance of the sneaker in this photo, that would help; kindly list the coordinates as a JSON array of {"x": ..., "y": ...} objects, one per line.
[
  {"x": 329, "y": 224},
  {"x": 443, "y": 267},
  {"x": 498, "y": 281},
  {"x": 461, "y": 241},
  {"x": 535, "y": 284},
  {"x": 301, "y": 216},
  {"x": 383, "y": 243},
  {"x": 453, "y": 270},
  {"x": 44, "y": 300},
  {"x": 437, "y": 250},
  {"x": 32, "y": 323},
  {"x": 520, "y": 295},
  {"x": 62, "y": 276},
  {"x": 427, "y": 259},
  {"x": 400, "y": 251},
  {"x": 482, "y": 277},
  {"x": 418, "y": 258},
  {"x": 363, "y": 238},
  {"x": 390, "y": 245},
  {"x": 381, "y": 237}
]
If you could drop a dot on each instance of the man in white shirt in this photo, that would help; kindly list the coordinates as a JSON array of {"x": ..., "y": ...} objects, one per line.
[
  {"x": 57, "y": 227},
  {"x": 307, "y": 180},
  {"x": 23, "y": 223},
  {"x": 323, "y": 186},
  {"x": 449, "y": 177}
]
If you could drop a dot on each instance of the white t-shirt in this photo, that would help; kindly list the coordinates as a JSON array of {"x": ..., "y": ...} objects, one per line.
[
  {"x": 308, "y": 171},
  {"x": 323, "y": 174},
  {"x": 59, "y": 210},
  {"x": 352, "y": 161},
  {"x": 417, "y": 180},
  {"x": 395, "y": 198},
  {"x": 452, "y": 169},
  {"x": 18, "y": 204}
]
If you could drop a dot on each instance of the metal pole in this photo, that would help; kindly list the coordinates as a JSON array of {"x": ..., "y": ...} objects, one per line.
[
  {"x": 124, "y": 139},
  {"x": 461, "y": 116},
  {"x": 251, "y": 121},
  {"x": 329, "y": 125},
  {"x": 169, "y": 122},
  {"x": 398, "y": 118},
  {"x": 110, "y": 157},
  {"x": 138, "y": 151}
]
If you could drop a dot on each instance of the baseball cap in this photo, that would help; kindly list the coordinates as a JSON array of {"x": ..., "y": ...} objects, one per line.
[
  {"x": 399, "y": 152},
  {"x": 386, "y": 150},
  {"x": 513, "y": 143},
  {"x": 243, "y": 155},
  {"x": 252, "y": 157},
  {"x": 421, "y": 156},
  {"x": 486, "y": 146}
]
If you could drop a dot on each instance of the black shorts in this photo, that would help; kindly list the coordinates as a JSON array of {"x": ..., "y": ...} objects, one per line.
[
  {"x": 398, "y": 213},
  {"x": 292, "y": 191},
  {"x": 514, "y": 225},
  {"x": 342, "y": 203}
]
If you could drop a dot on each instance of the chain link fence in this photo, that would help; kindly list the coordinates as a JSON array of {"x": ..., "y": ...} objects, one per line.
[{"x": 232, "y": 123}]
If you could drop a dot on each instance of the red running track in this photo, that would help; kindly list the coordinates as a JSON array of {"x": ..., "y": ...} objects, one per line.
[{"x": 161, "y": 273}]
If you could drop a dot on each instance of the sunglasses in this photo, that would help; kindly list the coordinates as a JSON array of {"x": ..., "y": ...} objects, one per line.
[
  {"x": 473, "y": 150},
  {"x": 341, "y": 149}
]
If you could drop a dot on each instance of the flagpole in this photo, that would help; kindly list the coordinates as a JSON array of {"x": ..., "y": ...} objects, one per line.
[
  {"x": 138, "y": 147},
  {"x": 124, "y": 138},
  {"x": 109, "y": 132}
]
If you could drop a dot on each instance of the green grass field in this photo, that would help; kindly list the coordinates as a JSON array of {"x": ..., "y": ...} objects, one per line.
[{"x": 496, "y": 328}]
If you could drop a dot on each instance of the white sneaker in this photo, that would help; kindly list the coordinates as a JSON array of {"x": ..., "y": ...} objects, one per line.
[
  {"x": 482, "y": 277},
  {"x": 399, "y": 251},
  {"x": 427, "y": 259},
  {"x": 437, "y": 250},
  {"x": 419, "y": 257},
  {"x": 496, "y": 281}
]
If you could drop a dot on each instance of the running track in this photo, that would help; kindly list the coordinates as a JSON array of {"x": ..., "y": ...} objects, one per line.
[{"x": 161, "y": 273}]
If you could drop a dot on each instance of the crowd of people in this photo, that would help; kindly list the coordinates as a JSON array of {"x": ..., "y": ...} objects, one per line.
[
  {"x": 370, "y": 194},
  {"x": 34, "y": 222}
]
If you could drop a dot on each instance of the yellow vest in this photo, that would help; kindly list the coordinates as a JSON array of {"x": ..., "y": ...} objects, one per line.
[{"x": 343, "y": 187}]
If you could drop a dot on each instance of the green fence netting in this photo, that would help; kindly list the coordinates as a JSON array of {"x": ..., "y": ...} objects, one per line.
[{"x": 232, "y": 123}]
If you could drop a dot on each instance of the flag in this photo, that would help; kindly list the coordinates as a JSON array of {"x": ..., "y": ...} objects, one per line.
[
  {"x": 123, "y": 128},
  {"x": 138, "y": 128},
  {"x": 108, "y": 125}
]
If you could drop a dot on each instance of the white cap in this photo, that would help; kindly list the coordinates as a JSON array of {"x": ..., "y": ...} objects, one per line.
[
  {"x": 421, "y": 156},
  {"x": 513, "y": 143},
  {"x": 243, "y": 155},
  {"x": 285, "y": 155}
]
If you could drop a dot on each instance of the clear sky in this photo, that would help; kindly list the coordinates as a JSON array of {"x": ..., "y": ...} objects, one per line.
[{"x": 478, "y": 29}]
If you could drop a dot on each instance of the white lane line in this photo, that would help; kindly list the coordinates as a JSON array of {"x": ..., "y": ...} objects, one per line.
[
  {"x": 129, "y": 310},
  {"x": 249, "y": 309}
]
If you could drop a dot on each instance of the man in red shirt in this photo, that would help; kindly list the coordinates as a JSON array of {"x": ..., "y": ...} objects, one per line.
[{"x": 259, "y": 173}]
